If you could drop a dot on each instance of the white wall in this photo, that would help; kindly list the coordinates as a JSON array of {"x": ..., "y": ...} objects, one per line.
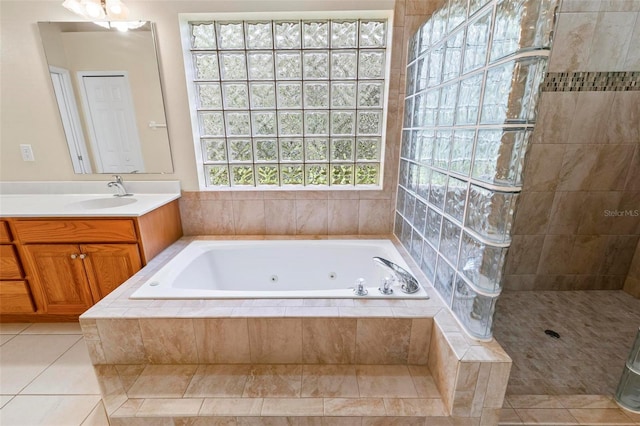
[{"x": 28, "y": 113}]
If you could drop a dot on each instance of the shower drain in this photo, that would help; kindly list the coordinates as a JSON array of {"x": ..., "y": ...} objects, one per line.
[{"x": 552, "y": 333}]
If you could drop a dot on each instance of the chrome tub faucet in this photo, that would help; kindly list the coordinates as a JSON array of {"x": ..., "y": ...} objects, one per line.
[{"x": 408, "y": 283}]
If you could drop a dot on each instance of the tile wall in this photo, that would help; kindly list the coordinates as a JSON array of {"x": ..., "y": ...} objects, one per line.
[
  {"x": 260, "y": 340},
  {"x": 577, "y": 223},
  {"x": 474, "y": 74},
  {"x": 318, "y": 212},
  {"x": 632, "y": 283}
]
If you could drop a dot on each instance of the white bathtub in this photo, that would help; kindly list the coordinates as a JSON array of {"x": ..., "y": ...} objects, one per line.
[{"x": 274, "y": 269}]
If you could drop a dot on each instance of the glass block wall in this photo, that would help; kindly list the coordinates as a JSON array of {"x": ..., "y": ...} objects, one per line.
[
  {"x": 290, "y": 103},
  {"x": 473, "y": 76}
]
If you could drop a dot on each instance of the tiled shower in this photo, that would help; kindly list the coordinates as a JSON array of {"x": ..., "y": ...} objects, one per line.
[{"x": 473, "y": 77}]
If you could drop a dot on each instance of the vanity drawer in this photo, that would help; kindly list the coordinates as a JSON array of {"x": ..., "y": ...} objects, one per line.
[
  {"x": 76, "y": 231},
  {"x": 15, "y": 297},
  {"x": 5, "y": 236},
  {"x": 9, "y": 264}
]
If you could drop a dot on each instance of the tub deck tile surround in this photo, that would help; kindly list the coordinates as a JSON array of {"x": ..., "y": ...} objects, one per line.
[{"x": 355, "y": 361}]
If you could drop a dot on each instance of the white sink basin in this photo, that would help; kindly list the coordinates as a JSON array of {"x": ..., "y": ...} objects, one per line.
[{"x": 104, "y": 203}]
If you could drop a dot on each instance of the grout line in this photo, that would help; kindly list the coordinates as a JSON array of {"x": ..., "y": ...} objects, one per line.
[
  {"x": 96, "y": 407},
  {"x": 48, "y": 366},
  {"x": 10, "y": 339},
  {"x": 8, "y": 401},
  {"x": 120, "y": 406},
  {"x": 355, "y": 368},
  {"x": 48, "y": 333},
  {"x": 186, "y": 388},
  {"x": 26, "y": 328},
  {"x": 59, "y": 394}
]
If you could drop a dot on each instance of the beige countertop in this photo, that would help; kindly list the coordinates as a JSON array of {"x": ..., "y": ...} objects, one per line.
[
  {"x": 75, "y": 205},
  {"x": 78, "y": 199}
]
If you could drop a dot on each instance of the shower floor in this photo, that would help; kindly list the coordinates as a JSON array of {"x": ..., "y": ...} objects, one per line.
[{"x": 596, "y": 329}]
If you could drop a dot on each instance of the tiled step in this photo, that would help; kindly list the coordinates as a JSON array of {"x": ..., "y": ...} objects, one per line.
[
  {"x": 278, "y": 394},
  {"x": 350, "y": 358}
]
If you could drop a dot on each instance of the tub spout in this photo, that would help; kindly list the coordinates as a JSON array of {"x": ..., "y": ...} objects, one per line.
[{"x": 408, "y": 283}]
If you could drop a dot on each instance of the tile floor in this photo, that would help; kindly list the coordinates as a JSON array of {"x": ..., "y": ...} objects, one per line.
[
  {"x": 597, "y": 330},
  {"x": 553, "y": 410},
  {"x": 46, "y": 377}
]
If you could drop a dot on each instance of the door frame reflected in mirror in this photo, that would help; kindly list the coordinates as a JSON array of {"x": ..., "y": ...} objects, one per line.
[{"x": 68, "y": 108}]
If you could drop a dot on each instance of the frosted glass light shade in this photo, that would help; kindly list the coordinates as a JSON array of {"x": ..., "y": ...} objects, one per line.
[
  {"x": 116, "y": 9},
  {"x": 93, "y": 9},
  {"x": 74, "y": 6}
]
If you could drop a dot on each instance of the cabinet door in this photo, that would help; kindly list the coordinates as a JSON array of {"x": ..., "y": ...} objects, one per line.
[
  {"x": 15, "y": 298},
  {"x": 5, "y": 236},
  {"x": 60, "y": 274},
  {"x": 109, "y": 265},
  {"x": 9, "y": 263}
]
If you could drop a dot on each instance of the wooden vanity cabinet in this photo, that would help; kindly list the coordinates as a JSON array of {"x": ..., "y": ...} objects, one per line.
[
  {"x": 72, "y": 263},
  {"x": 73, "y": 277},
  {"x": 15, "y": 296}
]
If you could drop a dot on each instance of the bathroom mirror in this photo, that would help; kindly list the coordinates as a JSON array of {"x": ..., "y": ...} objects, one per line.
[{"x": 107, "y": 88}]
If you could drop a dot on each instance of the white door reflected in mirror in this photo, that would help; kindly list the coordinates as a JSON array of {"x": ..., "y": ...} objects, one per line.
[{"x": 111, "y": 122}]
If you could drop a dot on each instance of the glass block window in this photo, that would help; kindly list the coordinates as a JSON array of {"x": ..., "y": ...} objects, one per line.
[{"x": 290, "y": 102}]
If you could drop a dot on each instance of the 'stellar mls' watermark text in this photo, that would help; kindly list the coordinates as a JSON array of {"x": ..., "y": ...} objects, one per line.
[{"x": 621, "y": 213}]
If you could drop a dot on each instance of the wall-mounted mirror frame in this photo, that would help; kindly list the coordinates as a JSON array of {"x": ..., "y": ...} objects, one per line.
[{"x": 108, "y": 90}]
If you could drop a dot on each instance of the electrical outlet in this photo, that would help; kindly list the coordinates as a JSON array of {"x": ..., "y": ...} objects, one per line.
[{"x": 27, "y": 152}]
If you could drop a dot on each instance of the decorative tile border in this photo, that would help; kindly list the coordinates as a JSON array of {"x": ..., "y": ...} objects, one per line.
[{"x": 591, "y": 81}]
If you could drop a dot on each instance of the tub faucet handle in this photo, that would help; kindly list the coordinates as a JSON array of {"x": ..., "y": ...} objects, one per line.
[
  {"x": 359, "y": 289},
  {"x": 386, "y": 285}
]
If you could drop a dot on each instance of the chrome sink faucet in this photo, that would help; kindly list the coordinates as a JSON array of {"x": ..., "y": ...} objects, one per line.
[
  {"x": 408, "y": 283},
  {"x": 120, "y": 188}
]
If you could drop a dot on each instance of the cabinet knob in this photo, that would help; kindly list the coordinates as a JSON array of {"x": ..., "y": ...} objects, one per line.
[
  {"x": 73, "y": 256},
  {"x": 82, "y": 256}
]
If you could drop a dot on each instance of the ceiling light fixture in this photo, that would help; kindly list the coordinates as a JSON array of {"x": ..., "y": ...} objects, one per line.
[{"x": 106, "y": 13}]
